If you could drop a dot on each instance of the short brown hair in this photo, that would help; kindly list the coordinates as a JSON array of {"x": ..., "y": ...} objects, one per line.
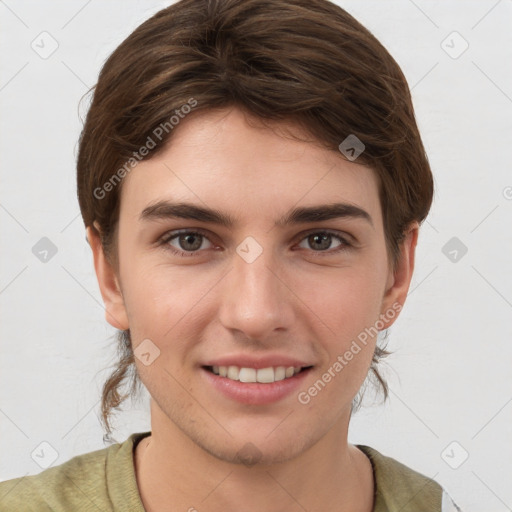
[{"x": 306, "y": 61}]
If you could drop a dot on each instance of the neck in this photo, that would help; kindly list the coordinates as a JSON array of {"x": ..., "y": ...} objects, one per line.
[{"x": 331, "y": 474}]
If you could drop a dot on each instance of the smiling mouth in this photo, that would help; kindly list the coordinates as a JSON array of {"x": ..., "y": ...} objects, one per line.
[{"x": 260, "y": 375}]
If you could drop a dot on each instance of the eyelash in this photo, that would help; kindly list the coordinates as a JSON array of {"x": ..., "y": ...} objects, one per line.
[{"x": 165, "y": 239}]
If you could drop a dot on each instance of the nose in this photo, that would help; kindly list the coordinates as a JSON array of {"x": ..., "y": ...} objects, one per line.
[{"x": 256, "y": 298}]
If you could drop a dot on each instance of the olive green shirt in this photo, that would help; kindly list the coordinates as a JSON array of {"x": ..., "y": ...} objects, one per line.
[{"x": 104, "y": 480}]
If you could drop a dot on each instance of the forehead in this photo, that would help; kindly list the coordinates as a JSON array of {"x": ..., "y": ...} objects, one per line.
[{"x": 230, "y": 161}]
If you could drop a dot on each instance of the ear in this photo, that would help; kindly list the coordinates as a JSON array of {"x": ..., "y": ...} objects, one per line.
[
  {"x": 399, "y": 280},
  {"x": 115, "y": 311}
]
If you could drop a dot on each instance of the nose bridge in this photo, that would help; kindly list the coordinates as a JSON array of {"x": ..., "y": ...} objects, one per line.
[{"x": 256, "y": 301}]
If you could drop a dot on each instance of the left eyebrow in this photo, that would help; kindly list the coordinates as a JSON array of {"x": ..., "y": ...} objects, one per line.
[
  {"x": 167, "y": 210},
  {"x": 324, "y": 212}
]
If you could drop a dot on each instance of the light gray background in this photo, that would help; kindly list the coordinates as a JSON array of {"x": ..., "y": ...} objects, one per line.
[{"x": 450, "y": 374}]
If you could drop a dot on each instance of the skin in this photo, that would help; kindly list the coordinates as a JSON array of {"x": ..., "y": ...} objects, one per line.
[{"x": 295, "y": 299}]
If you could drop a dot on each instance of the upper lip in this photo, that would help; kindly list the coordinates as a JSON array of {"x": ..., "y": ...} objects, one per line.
[{"x": 247, "y": 361}]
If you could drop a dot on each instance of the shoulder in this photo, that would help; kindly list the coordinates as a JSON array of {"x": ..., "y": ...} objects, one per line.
[
  {"x": 398, "y": 487},
  {"x": 85, "y": 482},
  {"x": 58, "y": 486}
]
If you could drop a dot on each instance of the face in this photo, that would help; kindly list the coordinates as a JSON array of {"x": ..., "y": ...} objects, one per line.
[{"x": 240, "y": 247}]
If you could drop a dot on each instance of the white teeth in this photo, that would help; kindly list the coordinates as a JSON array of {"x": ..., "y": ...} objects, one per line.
[
  {"x": 263, "y": 375},
  {"x": 247, "y": 375},
  {"x": 279, "y": 373},
  {"x": 233, "y": 372}
]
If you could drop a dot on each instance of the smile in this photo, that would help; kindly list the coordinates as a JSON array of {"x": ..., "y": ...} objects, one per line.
[
  {"x": 255, "y": 386},
  {"x": 262, "y": 375}
]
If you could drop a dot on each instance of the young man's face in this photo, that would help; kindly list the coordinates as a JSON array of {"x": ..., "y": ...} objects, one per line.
[{"x": 271, "y": 289}]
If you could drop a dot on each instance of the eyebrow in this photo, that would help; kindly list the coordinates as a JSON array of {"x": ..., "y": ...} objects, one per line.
[{"x": 163, "y": 210}]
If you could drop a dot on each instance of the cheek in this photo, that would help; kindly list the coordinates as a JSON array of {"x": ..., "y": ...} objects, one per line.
[
  {"x": 348, "y": 306},
  {"x": 165, "y": 304},
  {"x": 348, "y": 309},
  {"x": 162, "y": 310},
  {"x": 347, "y": 302}
]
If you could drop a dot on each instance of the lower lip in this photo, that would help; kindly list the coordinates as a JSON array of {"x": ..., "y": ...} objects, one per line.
[{"x": 255, "y": 393}]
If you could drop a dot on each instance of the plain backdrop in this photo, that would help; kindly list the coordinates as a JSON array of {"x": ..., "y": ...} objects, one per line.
[{"x": 449, "y": 415}]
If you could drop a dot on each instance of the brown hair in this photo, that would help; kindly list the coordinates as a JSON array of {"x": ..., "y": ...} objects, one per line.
[{"x": 307, "y": 61}]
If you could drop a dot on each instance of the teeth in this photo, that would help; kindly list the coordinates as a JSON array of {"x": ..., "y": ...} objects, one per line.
[
  {"x": 263, "y": 375},
  {"x": 247, "y": 375},
  {"x": 279, "y": 373},
  {"x": 233, "y": 372}
]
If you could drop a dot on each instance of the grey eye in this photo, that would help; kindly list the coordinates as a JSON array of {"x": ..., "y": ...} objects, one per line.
[{"x": 320, "y": 241}]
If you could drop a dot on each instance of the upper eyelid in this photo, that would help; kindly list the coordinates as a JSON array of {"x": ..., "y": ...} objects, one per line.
[{"x": 169, "y": 235}]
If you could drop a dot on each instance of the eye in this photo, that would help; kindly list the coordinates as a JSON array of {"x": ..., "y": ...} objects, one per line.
[
  {"x": 190, "y": 243},
  {"x": 186, "y": 243},
  {"x": 321, "y": 241}
]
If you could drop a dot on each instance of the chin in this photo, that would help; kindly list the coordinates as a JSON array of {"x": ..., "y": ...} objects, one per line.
[{"x": 250, "y": 451}]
